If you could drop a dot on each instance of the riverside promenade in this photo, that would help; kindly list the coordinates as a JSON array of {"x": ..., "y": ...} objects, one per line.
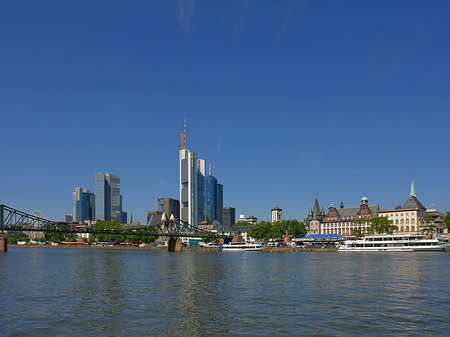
[{"x": 164, "y": 248}]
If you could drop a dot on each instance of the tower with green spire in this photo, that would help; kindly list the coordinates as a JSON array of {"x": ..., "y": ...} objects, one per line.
[{"x": 413, "y": 190}]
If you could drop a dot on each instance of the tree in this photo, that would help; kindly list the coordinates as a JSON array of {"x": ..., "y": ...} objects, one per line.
[
  {"x": 447, "y": 221},
  {"x": 18, "y": 236},
  {"x": 430, "y": 227},
  {"x": 109, "y": 225},
  {"x": 266, "y": 230},
  {"x": 357, "y": 232},
  {"x": 382, "y": 225},
  {"x": 295, "y": 228}
]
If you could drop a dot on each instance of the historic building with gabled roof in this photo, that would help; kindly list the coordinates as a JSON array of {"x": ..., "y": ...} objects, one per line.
[
  {"x": 407, "y": 217},
  {"x": 340, "y": 220}
]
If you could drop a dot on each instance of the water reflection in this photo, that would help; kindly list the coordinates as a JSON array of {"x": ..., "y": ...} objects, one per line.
[{"x": 65, "y": 291}]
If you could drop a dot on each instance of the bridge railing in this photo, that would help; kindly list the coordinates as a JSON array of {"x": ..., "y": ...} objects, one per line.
[{"x": 14, "y": 220}]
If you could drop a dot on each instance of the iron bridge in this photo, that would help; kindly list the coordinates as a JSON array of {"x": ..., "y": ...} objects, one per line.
[{"x": 14, "y": 220}]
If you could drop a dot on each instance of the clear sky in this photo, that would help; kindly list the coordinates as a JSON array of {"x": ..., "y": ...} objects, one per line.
[{"x": 287, "y": 99}]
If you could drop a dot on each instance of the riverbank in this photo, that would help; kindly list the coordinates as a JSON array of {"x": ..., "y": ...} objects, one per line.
[{"x": 164, "y": 248}]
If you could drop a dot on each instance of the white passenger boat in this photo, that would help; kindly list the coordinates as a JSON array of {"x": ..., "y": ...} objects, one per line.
[
  {"x": 393, "y": 243},
  {"x": 242, "y": 247}
]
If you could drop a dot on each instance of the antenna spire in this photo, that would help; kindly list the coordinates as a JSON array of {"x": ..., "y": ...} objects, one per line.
[
  {"x": 185, "y": 132},
  {"x": 209, "y": 168}
]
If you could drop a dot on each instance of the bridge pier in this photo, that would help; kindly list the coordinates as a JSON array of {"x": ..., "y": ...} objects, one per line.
[
  {"x": 175, "y": 245},
  {"x": 3, "y": 243}
]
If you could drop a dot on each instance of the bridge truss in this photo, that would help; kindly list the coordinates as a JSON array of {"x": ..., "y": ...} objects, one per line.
[{"x": 14, "y": 220}]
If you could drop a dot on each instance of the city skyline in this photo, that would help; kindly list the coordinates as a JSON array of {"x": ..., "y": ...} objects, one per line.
[{"x": 288, "y": 100}]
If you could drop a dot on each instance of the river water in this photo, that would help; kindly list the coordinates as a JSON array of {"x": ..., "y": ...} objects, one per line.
[{"x": 83, "y": 292}]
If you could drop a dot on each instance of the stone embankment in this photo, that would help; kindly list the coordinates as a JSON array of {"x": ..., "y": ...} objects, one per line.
[
  {"x": 164, "y": 248},
  {"x": 300, "y": 249}
]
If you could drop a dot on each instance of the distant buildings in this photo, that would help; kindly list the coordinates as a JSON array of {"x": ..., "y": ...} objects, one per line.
[
  {"x": 171, "y": 207},
  {"x": 201, "y": 198},
  {"x": 108, "y": 201},
  {"x": 229, "y": 216},
  {"x": 252, "y": 220},
  {"x": 83, "y": 205},
  {"x": 407, "y": 217},
  {"x": 69, "y": 217},
  {"x": 276, "y": 214},
  {"x": 159, "y": 204}
]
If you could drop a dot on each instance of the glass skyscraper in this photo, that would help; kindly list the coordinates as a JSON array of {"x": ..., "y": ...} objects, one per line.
[
  {"x": 211, "y": 183},
  {"x": 107, "y": 197},
  {"x": 201, "y": 198},
  {"x": 83, "y": 204}
]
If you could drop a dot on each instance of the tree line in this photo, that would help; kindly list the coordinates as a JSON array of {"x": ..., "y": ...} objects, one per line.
[{"x": 266, "y": 230}]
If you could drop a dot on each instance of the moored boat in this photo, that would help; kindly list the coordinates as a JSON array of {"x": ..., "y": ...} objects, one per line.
[
  {"x": 242, "y": 247},
  {"x": 393, "y": 243}
]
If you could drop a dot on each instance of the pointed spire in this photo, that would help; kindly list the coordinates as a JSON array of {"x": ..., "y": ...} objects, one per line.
[
  {"x": 163, "y": 218},
  {"x": 316, "y": 208},
  {"x": 342, "y": 204},
  {"x": 413, "y": 190},
  {"x": 131, "y": 220},
  {"x": 310, "y": 212},
  {"x": 323, "y": 213},
  {"x": 172, "y": 218}
]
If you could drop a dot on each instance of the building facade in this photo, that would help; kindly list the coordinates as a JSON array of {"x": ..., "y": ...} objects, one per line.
[
  {"x": 229, "y": 216},
  {"x": 107, "y": 197},
  {"x": 219, "y": 203},
  {"x": 407, "y": 217},
  {"x": 171, "y": 207},
  {"x": 340, "y": 220},
  {"x": 201, "y": 198},
  {"x": 83, "y": 205},
  {"x": 275, "y": 214}
]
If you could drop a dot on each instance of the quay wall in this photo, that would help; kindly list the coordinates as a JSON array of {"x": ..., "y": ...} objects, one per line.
[{"x": 164, "y": 248}]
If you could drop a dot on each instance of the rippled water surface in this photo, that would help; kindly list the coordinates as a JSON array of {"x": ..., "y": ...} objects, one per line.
[{"x": 82, "y": 292}]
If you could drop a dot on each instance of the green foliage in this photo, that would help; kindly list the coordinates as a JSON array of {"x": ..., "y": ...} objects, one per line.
[
  {"x": 430, "y": 229},
  {"x": 357, "y": 232},
  {"x": 109, "y": 225},
  {"x": 382, "y": 225},
  {"x": 19, "y": 236},
  {"x": 266, "y": 230},
  {"x": 447, "y": 221},
  {"x": 115, "y": 225},
  {"x": 55, "y": 237}
]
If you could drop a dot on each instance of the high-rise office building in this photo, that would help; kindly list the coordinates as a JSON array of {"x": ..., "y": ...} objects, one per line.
[
  {"x": 107, "y": 197},
  {"x": 159, "y": 204},
  {"x": 229, "y": 216},
  {"x": 211, "y": 183},
  {"x": 199, "y": 193},
  {"x": 219, "y": 203},
  {"x": 124, "y": 218},
  {"x": 83, "y": 204},
  {"x": 171, "y": 207}
]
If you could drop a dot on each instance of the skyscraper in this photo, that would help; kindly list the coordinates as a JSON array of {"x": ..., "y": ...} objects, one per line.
[
  {"x": 229, "y": 216},
  {"x": 211, "y": 183},
  {"x": 83, "y": 204},
  {"x": 171, "y": 207},
  {"x": 192, "y": 185},
  {"x": 107, "y": 197},
  {"x": 219, "y": 203}
]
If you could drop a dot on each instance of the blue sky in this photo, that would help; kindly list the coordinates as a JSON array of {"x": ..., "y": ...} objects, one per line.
[{"x": 287, "y": 99}]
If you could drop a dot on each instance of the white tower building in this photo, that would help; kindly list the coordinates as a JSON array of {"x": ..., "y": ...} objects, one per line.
[{"x": 276, "y": 214}]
